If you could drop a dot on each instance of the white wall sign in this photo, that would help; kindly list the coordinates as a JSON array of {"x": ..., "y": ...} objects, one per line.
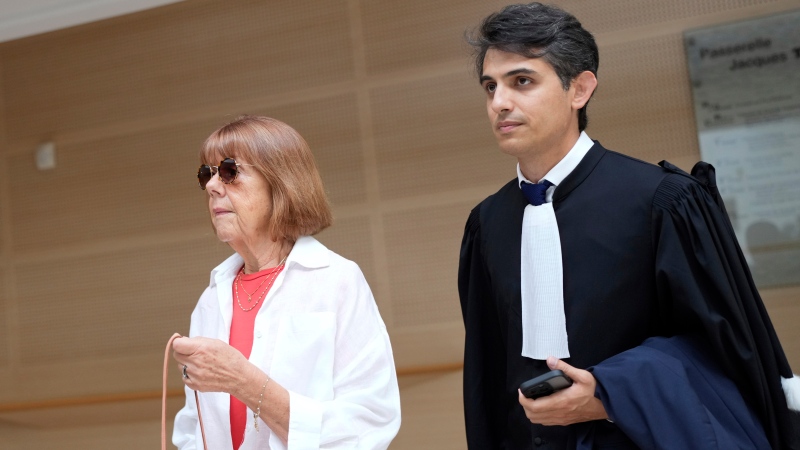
[{"x": 746, "y": 85}]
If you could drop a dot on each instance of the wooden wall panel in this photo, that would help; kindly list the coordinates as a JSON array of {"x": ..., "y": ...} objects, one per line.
[
  {"x": 429, "y": 344},
  {"x": 416, "y": 33},
  {"x": 654, "y": 100},
  {"x": 615, "y": 15},
  {"x": 423, "y": 248},
  {"x": 429, "y": 403},
  {"x": 64, "y": 383},
  {"x": 3, "y": 201},
  {"x": 126, "y": 185},
  {"x": 6, "y": 294},
  {"x": 95, "y": 415},
  {"x": 4, "y": 300},
  {"x": 435, "y": 137},
  {"x": 112, "y": 305},
  {"x": 126, "y": 436},
  {"x": 170, "y": 60}
]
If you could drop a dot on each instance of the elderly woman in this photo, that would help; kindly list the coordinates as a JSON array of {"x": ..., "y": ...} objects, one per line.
[{"x": 286, "y": 345}]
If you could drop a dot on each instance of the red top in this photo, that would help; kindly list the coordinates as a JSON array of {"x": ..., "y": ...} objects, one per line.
[{"x": 242, "y": 326}]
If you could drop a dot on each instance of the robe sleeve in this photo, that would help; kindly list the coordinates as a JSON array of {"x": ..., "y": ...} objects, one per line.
[
  {"x": 705, "y": 286},
  {"x": 484, "y": 355}
]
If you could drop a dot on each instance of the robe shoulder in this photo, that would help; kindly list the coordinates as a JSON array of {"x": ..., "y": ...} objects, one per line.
[
  {"x": 680, "y": 190},
  {"x": 509, "y": 193},
  {"x": 496, "y": 206},
  {"x": 705, "y": 286}
]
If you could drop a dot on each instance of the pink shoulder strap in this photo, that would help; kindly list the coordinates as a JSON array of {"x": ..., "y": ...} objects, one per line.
[{"x": 164, "y": 401}]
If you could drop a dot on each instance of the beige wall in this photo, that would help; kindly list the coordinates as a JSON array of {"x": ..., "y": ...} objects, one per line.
[{"x": 103, "y": 258}]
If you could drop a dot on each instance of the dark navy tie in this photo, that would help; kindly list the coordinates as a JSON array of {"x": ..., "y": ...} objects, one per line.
[{"x": 535, "y": 193}]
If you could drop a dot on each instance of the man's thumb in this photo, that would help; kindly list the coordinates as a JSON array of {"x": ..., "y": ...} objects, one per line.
[{"x": 556, "y": 364}]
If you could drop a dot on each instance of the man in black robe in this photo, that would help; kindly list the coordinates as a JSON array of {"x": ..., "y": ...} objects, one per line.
[{"x": 645, "y": 251}]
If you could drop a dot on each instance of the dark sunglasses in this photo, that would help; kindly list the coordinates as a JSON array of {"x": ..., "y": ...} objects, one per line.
[{"x": 227, "y": 169}]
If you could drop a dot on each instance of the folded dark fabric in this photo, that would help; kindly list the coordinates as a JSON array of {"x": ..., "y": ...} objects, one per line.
[{"x": 669, "y": 393}]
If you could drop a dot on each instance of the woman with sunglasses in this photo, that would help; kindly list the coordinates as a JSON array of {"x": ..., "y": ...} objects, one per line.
[{"x": 286, "y": 348}]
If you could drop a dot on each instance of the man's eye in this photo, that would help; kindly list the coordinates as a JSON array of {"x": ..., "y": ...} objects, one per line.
[
  {"x": 490, "y": 87},
  {"x": 523, "y": 81}
]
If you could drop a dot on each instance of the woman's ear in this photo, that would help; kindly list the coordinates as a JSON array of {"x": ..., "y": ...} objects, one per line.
[{"x": 583, "y": 85}]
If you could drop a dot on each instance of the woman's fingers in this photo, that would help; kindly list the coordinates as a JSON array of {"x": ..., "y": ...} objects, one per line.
[
  {"x": 210, "y": 364},
  {"x": 187, "y": 346}
]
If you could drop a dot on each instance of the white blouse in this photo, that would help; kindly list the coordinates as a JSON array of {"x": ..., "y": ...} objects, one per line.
[{"x": 319, "y": 335}]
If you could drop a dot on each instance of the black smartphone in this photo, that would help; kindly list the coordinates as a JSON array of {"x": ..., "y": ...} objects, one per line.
[{"x": 546, "y": 384}]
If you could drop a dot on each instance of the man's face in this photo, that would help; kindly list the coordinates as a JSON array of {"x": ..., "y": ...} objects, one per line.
[{"x": 529, "y": 110}]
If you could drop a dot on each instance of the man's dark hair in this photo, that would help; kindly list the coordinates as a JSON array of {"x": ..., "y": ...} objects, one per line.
[{"x": 539, "y": 31}]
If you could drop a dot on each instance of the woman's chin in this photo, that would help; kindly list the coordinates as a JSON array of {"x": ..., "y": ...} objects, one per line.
[{"x": 225, "y": 236}]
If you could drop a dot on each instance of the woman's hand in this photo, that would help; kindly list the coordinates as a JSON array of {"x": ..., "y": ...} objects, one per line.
[
  {"x": 212, "y": 365},
  {"x": 574, "y": 404}
]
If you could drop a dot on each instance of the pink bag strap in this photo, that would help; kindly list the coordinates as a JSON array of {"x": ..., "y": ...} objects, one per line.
[{"x": 164, "y": 401}]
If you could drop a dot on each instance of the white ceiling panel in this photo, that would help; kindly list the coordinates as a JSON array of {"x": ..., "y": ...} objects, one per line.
[{"x": 20, "y": 18}]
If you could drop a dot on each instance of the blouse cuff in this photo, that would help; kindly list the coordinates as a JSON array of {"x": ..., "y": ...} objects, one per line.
[{"x": 305, "y": 422}]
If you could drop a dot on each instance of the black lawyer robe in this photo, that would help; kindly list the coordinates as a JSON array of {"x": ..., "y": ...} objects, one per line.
[{"x": 646, "y": 252}]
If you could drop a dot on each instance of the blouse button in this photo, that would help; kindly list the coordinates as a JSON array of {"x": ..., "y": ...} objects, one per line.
[{"x": 258, "y": 334}]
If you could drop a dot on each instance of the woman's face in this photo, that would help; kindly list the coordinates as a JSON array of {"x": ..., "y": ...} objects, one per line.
[{"x": 239, "y": 210}]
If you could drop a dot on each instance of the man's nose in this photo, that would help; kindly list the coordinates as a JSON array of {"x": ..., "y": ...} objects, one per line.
[{"x": 501, "y": 101}]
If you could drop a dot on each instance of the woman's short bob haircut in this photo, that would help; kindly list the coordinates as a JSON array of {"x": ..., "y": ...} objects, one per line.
[{"x": 299, "y": 204}]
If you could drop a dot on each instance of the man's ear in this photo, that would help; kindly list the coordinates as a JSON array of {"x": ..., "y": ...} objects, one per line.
[{"x": 583, "y": 87}]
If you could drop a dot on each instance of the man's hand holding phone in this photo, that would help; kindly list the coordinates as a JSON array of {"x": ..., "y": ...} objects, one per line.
[
  {"x": 566, "y": 403},
  {"x": 545, "y": 384}
]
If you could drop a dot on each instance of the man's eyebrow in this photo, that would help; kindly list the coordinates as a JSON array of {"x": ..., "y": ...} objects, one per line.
[{"x": 521, "y": 70}]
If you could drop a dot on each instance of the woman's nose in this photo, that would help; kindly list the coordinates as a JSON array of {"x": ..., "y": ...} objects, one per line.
[{"x": 215, "y": 184}]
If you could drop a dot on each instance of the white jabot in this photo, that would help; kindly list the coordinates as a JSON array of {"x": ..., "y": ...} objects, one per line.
[{"x": 544, "y": 327}]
